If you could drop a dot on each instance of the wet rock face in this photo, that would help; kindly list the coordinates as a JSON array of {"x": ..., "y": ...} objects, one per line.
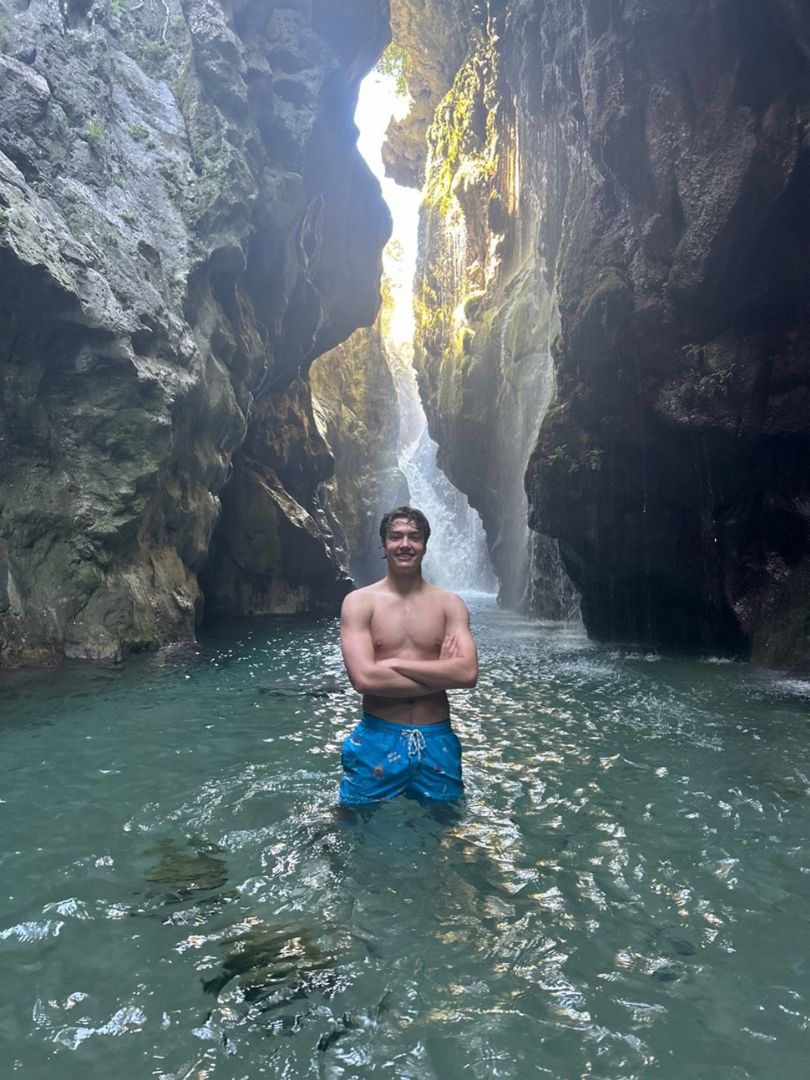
[
  {"x": 357, "y": 412},
  {"x": 277, "y": 549},
  {"x": 662, "y": 155},
  {"x": 485, "y": 314},
  {"x": 185, "y": 224},
  {"x": 672, "y": 470},
  {"x": 436, "y": 46}
]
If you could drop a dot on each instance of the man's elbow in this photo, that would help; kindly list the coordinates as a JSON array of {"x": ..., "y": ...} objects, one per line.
[
  {"x": 361, "y": 682},
  {"x": 470, "y": 679}
]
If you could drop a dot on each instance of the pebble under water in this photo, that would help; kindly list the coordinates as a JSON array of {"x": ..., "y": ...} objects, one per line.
[{"x": 624, "y": 894}]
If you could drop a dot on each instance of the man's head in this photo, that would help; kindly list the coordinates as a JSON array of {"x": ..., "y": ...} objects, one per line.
[{"x": 408, "y": 514}]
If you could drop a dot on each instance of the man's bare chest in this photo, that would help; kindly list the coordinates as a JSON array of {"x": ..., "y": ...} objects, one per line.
[{"x": 411, "y": 629}]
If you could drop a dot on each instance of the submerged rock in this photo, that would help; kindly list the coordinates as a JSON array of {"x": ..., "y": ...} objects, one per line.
[
  {"x": 184, "y": 869},
  {"x": 263, "y": 960}
]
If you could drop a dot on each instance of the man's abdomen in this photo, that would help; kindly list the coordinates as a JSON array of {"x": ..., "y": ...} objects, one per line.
[{"x": 432, "y": 709}]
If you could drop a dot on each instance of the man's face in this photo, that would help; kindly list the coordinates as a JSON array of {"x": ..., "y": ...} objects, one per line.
[{"x": 404, "y": 544}]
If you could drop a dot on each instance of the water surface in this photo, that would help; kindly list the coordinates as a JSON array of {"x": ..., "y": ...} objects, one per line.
[{"x": 623, "y": 896}]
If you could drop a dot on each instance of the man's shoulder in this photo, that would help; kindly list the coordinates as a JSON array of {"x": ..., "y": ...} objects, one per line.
[
  {"x": 449, "y": 600},
  {"x": 358, "y": 599}
]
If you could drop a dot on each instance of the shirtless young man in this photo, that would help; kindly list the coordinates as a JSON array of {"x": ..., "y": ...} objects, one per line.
[{"x": 405, "y": 642}]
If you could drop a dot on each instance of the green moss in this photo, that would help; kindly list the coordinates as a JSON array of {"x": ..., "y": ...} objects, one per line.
[
  {"x": 129, "y": 217},
  {"x": 7, "y": 30},
  {"x": 558, "y": 455},
  {"x": 716, "y": 383},
  {"x": 153, "y": 56},
  {"x": 569, "y": 457},
  {"x": 138, "y": 132},
  {"x": 93, "y": 133},
  {"x": 461, "y": 142},
  {"x": 712, "y": 370}
]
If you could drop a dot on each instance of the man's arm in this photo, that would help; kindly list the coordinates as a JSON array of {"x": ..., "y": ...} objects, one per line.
[
  {"x": 457, "y": 665},
  {"x": 366, "y": 674}
]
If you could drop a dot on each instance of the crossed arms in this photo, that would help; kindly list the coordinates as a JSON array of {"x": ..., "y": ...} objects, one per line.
[{"x": 456, "y": 666}]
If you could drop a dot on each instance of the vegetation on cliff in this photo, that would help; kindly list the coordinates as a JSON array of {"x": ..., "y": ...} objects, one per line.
[{"x": 649, "y": 229}]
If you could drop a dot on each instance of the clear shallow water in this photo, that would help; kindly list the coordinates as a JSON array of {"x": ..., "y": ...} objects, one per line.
[{"x": 625, "y": 894}]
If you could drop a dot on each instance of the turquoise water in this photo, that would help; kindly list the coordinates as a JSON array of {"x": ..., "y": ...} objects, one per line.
[{"x": 625, "y": 894}]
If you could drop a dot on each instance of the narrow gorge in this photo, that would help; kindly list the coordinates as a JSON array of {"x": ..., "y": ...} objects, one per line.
[{"x": 612, "y": 312}]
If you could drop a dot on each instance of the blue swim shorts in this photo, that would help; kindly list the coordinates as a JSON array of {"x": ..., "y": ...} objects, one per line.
[{"x": 382, "y": 760}]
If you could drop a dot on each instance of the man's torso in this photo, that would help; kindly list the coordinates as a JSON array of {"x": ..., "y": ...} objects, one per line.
[{"x": 413, "y": 628}]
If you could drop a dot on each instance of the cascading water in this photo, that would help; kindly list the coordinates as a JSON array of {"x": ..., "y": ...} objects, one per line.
[{"x": 457, "y": 556}]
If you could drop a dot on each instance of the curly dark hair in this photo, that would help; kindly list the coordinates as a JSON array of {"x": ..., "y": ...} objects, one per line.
[{"x": 409, "y": 513}]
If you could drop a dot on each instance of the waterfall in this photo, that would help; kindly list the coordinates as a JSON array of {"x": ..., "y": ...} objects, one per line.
[{"x": 457, "y": 556}]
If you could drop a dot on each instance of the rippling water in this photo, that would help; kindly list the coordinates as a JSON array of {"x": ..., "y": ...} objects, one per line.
[{"x": 625, "y": 894}]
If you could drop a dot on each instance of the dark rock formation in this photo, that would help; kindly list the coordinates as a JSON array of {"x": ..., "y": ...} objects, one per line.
[
  {"x": 356, "y": 404},
  {"x": 275, "y": 549},
  {"x": 653, "y": 231},
  {"x": 185, "y": 224}
]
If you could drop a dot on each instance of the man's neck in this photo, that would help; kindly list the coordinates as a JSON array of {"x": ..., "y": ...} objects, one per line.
[{"x": 405, "y": 584}]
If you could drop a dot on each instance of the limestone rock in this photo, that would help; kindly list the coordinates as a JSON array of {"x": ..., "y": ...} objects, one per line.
[
  {"x": 434, "y": 47},
  {"x": 275, "y": 551},
  {"x": 485, "y": 317},
  {"x": 185, "y": 223},
  {"x": 652, "y": 234},
  {"x": 356, "y": 407}
]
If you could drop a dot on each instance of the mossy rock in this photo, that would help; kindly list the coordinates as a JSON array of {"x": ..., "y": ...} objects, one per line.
[{"x": 189, "y": 866}]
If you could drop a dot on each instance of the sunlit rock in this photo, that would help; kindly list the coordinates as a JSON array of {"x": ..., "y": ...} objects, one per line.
[
  {"x": 185, "y": 223},
  {"x": 485, "y": 317},
  {"x": 356, "y": 405}
]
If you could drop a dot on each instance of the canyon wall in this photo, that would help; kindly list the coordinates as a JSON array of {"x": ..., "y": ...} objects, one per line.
[
  {"x": 185, "y": 223},
  {"x": 613, "y": 284},
  {"x": 612, "y": 311},
  {"x": 356, "y": 409}
]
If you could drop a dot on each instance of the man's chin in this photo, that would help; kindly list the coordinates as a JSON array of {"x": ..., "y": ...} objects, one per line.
[{"x": 405, "y": 564}]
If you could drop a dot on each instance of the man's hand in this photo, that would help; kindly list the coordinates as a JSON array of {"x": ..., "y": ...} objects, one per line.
[{"x": 450, "y": 647}]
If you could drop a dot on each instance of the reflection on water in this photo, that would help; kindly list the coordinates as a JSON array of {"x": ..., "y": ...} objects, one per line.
[{"x": 622, "y": 896}]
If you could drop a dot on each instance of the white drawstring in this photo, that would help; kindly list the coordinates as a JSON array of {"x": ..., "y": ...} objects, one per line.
[{"x": 416, "y": 743}]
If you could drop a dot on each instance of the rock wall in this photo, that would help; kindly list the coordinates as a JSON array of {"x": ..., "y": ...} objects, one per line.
[
  {"x": 185, "y": 224},
  {"x": 356, "y": 409},
  {"x": 652, "y": 230},
  {"x": 486, "y": 313}
]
